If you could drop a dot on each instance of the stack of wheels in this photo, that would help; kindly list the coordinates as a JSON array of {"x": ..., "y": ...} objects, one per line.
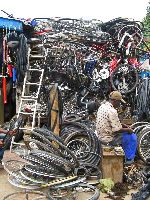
[
  {"x": 142, "y": 129},
  {"x": 83, "y": 142},
  {"x": 44, "y": 165}
]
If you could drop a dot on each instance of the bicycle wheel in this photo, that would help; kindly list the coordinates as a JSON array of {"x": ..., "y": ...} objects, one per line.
[
  {"x": 13, "y": 165},
  {"x": 132, "y": 32},
  {"x": 76, "y": 191},
  {"x": 124, "y": 78},
  {"x": 144, "y": 145},
  {"x": 17, "y": 180},
  {"x": 32, "y": 195},
  {"x": 137, "y": 124}
]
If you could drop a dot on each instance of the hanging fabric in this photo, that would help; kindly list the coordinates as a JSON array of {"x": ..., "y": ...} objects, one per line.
[
  {"x": 4, "y": 90},
  {"x": 9, "y": 69},
  {"x": 4, "y": 68},
  {"x": 14, "y": 72}
]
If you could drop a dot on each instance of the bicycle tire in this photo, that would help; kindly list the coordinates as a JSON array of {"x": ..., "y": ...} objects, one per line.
[
  {"x": 52, "y": 164},
  {"x": 53, "y": 138},
  {"x": 96, "y": 194},
  {"x": 43, "y": 172},
  {"x": 115, "y": 72},
  {"x": 21, "y": 182},
  {"x": 28, "y": 192},
  {"x": 31, "y": 177},
  {"x": 13, "y": 165},
  {"x": 40, "y": 145},
  {"x": 136, "y": 124},
  {"x": 130, "y": 26},
  {"x": 144, "y": 146},
  {"x": 49, "y": 156},
  {"x": 73, "y": 130}
]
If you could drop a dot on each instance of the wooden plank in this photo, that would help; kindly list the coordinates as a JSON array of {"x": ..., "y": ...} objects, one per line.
[
  {"x": 112, "y": 167},
  {"x": 55, "y": 109},
  {"x": 112, "y": 164}
]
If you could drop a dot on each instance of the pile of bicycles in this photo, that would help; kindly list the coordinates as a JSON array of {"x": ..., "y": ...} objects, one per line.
[{"x": 88, "y": 55}]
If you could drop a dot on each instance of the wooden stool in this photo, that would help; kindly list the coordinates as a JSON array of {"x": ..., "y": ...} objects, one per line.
[{"x": 112, "y": 163}]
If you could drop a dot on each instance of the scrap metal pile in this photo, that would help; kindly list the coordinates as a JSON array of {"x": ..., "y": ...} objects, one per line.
[
  {"x": 87, "y": 59},
  {"x": 144, "y": 191}
]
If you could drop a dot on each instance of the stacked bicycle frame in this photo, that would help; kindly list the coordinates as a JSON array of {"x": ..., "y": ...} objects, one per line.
[{"x": 88, "y": 55}]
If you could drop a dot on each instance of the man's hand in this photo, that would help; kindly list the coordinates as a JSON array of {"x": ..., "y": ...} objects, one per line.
[
  {"x": 125, "y": 126},
  {"x": 12, "y": 132},
  {"x": 1, "y": 143},
  {"x": 130, "y": 130}
]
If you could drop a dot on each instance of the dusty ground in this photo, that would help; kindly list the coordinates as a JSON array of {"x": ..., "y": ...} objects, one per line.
[{"x": 6, "y": 188}]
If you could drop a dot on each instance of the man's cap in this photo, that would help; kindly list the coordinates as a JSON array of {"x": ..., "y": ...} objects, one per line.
[{"x": 116, "y": 95}]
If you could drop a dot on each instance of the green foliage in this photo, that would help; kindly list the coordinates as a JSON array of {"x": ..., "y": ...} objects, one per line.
[
  {"x": 146, "y": 22},
  {"x": 106, "y": 185}
]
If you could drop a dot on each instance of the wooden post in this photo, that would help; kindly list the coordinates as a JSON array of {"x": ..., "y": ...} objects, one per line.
[
  {"x": 54, "y": 101},
  {"x": 1, "y": 108}
]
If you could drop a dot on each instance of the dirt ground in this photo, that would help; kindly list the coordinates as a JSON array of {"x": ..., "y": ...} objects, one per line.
[{"x": 6, "y": 188}]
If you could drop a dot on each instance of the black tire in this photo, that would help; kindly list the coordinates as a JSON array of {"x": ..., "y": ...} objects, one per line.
[
  {"x": 131, "y": 29},
  {"x": 118, "y": 72},
  {"x": 136, "y": 124},
  {"x": 144, "y": 145}
]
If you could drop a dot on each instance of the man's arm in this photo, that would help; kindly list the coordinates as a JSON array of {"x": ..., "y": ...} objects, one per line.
[
  {"x": 1, "y": 143},
  {"x": 3, "y": 131},
  {"x": 12, "y": 132},
  {"x": 116, "y": 125},
  {"x": 126, "y": 128}
]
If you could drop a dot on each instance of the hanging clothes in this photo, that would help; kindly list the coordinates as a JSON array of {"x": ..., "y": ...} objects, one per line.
[
  {"x": 9, "y": 70},
  {"x": 4, "y": 69}
]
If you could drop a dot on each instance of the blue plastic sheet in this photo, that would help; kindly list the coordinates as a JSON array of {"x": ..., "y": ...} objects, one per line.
[{"x": 11, "y": 24}]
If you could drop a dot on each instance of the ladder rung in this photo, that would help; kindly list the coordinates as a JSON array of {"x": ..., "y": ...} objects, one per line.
[
  {"x": 33, "y": 84},
  {"x": 29, "y": 97},
  {"x": 33, "y": 99},
  {"x": 29, "y": 129},
  {"x": 26, "y": 113},
  {"x": 40, "y": 70},
  {"x": 29, "y": 100}
]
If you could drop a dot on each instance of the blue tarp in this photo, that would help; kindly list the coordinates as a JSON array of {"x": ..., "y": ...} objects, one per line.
[{"x": 11, "y": 24}]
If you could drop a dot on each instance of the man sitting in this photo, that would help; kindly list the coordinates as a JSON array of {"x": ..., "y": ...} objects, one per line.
[{"x": 110, "y": 130}]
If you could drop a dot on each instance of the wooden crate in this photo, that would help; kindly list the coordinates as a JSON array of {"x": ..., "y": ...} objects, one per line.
[{"x": 112, "y": 164}]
